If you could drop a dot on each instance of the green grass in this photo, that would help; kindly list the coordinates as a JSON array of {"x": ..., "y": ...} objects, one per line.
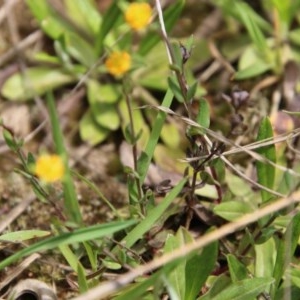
[{"x": 229, "y": 227}]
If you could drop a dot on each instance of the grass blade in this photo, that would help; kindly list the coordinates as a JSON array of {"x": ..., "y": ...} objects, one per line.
[
  {"x": 137, "y": 232},
  {"x": 72, "y": 208},
  {"x": 77, "y": 236}
]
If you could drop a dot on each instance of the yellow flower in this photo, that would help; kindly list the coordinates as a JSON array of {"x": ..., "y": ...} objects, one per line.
[
  {"x": 49, "y": 168},
  {"x": 118, "y": 63},
  {"x": 138, "y": 15}
]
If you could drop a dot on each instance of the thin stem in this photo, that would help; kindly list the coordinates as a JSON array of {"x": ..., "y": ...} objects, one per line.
[{"x": 134, "y": 152}]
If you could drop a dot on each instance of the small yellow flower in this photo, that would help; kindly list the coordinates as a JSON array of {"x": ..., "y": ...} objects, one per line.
[
  {"x": 118, "y": 63},
  {"x": 49, "y": 168},
  {"x": 138, "y": 15}
]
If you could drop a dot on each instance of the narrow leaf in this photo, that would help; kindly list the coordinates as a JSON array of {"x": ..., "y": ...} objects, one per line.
[
  {"x": 171, "y": 15},
  {"x": 203, "y": 117},
  {"x": 137, "y": 232},
  {"x": 76, "y": 236},
  {"x": 238, "y": 271},
  {"x": 265, "y": 171},
  {"x": 71, "y": 205},
  {"x": 174, "y": 86},
  {"x": 286, "y": 247},
  {"x": 112, "y": 15}
]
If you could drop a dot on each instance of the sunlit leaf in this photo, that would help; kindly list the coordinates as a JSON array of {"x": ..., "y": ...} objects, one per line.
[
  {"x": 35, "y": 81},
  {"x": 265, "y": 255},
  {"x": 232, "y": 210},
  {"x": 85, "y": 13},
  {"x": 23, "y": 235}
]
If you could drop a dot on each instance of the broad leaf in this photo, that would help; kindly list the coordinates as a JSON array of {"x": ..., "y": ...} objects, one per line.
[
  {"x": 232, "y": 210},
  {"x": 246, "y": 289},
  {"x": 265, "y": 255},
  {"x": 91, "y": 131},
  {"x": 35, "y": 81},
  {"x": 198, "y": 269}
]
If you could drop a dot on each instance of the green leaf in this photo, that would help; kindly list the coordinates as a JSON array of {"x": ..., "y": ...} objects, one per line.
[
  {"x": 79, "y": 49},
  {"x": 171, "y": 136},
  {"x": 137, "y": 290},
  {"x": 138, "y": 122},
  {"x": 175, "y": 88},
  {"x": 245, "y": 12},
  {"x": 154, "y": 69},
  {"x": 171, "y": 15},
  {"x": 198, "y": 268},
  {"x": 192, "y": 91},
  {"x": 265, "y": 171},
  {"x": 285, "y": 249},
  {"x": 10, "y": 140},
  {"x": 82, "y": 281},
  {"x": 23, "y": 235},
  {"x": 91, "y": 131},
  {"x": 237, "y": 185},
  {"x": 69, "y": 256},
  {"x": 246, "y": 289},
  {"x": 71, "y": 205},
  {"x": 84, "y": 13},
  {"x": 218, "y": 285},
  {"x": 238, "y": 271},
  {"x": 110, "y": 18},
  {"x": 104, "y": 113},
  {"x": 36, "y": 81},
  {"x": 203, "y": 117},
  {"x": 106, "y": 93},
  {"x": 219, "y": 167},
  {"x": 153, "y": 215},
  {"x": 102, "y": 99},
  {"x": 286, "y": 11},
  {"x": 265, "y": 255},
  {"x": 41, "y": 11},
  {"x": 76, "y": 236},
  {"x": 177, "y": 276},
  {"x": 177, "y": 56},
  {"x": 232, "y": 210},
  {"x": 232, "y": 10},
  {"x": 254, "y": 70},
  {"x": 146, "y": 156},
  {"x": 66, "y": 251}
]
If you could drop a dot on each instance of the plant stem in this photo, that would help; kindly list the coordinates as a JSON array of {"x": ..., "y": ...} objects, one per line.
[{"x": 134, "y": 152}]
